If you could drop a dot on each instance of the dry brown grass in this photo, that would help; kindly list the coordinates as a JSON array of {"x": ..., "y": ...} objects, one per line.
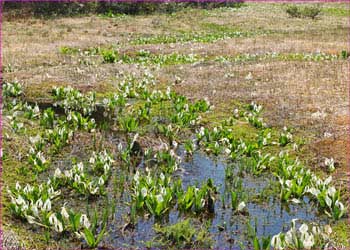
[{"x": 311, "y": 96}]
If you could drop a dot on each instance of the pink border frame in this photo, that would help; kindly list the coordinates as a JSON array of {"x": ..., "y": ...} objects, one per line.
[{"x": 137, "y": 1}]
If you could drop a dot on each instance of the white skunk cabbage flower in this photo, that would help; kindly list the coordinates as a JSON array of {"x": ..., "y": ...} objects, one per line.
[
  {"x": 64, "y": 213},
  {"x": 276, "y": 242},
  {"x": 144, "y": 192},
  {"x": 241, "y": 206},
  {"x": 84, "y": 221},
  {"x": 159, "y": 198},
  {"x": 47, "y": 205}
]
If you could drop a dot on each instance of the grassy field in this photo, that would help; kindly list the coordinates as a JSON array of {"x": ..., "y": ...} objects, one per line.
[{"x": 294, "y": 67}]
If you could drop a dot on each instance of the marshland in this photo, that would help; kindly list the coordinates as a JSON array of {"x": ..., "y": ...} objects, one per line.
[{"x": 175, "y": 125}]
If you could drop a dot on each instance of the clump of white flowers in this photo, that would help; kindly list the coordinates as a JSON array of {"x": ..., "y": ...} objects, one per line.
[
  {"x": 153, "y": 193},
  {"x": 296, "y": 181},
  {"x": 305, "y": 237},
  {"x": 72, "y": 99},
  {"x": 12, "y": 89},
  {"x": 285, "y": 137},
  {"x": 329, "y": 164},
  {"x": 33, "y": 202},
  {"x": 81, "y": 180}
]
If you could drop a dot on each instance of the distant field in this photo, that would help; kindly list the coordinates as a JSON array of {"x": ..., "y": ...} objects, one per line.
[{"x": 298, "y": 69}]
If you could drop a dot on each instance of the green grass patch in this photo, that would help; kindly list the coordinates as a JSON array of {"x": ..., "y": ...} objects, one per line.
[
  {"x": 218, "y": 33},
  {"x": 146, "y": 57},
  {"x": 341, "y": 232},
  {"x": 111, "y": 14},
  {"x": 91, "y": 51},
  {"x": 68, "y": 50},
  {"x": 183, "y": 234},
  {"x": 186, "y": 37},
  {"x": 339, "y": 12},
  {"x": 283, "y": 57},
  {"x": 111, "y": 55},
  {"x": 214, "y": 27}
]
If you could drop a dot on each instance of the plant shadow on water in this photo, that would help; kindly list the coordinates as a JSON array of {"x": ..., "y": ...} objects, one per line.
[{"x": 266, "y": 215}]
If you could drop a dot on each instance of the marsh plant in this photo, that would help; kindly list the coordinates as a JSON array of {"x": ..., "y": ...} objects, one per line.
[
  {"x": 31, "y": 112},
  {"x": 295, "y": 182},
  {"x": 146, "y": 57},
  {"x": 262, "y": 243},
  {"x": 190, "y": 147},
  {"x": 91, "y": 181},
  {"x": 305, "y": 237},
  {"x": 258, "y": 162},
  {"x": 36, "y": 205},
  {"x": 59, "y": 137},
  {"x": 183, "y": 234},
  {"x": 72, "y": 99},
  {"x": 198, "y": 200},
  {"x": 137, "y": 109},
  {"x": 254, "y": 119},
  {"x": 48, "y": 118},
  {"x": 330, "y": 164},
  {"x": 12, "y": 89},
  {"x": 169, "y": 131},
  {"x": 285, "y": 137},
  {"x": 16, "y": 125},
  {"x": 155, "y": 195},
  {"x": 128, "y": 124},
  {"x": 113, "y": 105},
  {"x": 78, "y": 122},
  {"x": 38, "y": 161},
  {"x": 327, "y": 196}
]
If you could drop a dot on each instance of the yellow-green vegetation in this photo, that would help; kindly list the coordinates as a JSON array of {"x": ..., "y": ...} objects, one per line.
[
  {"x": 183, "y": 234},
  {"x": 334, "y": 11},
  {"x": 341, "y": 233}
]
